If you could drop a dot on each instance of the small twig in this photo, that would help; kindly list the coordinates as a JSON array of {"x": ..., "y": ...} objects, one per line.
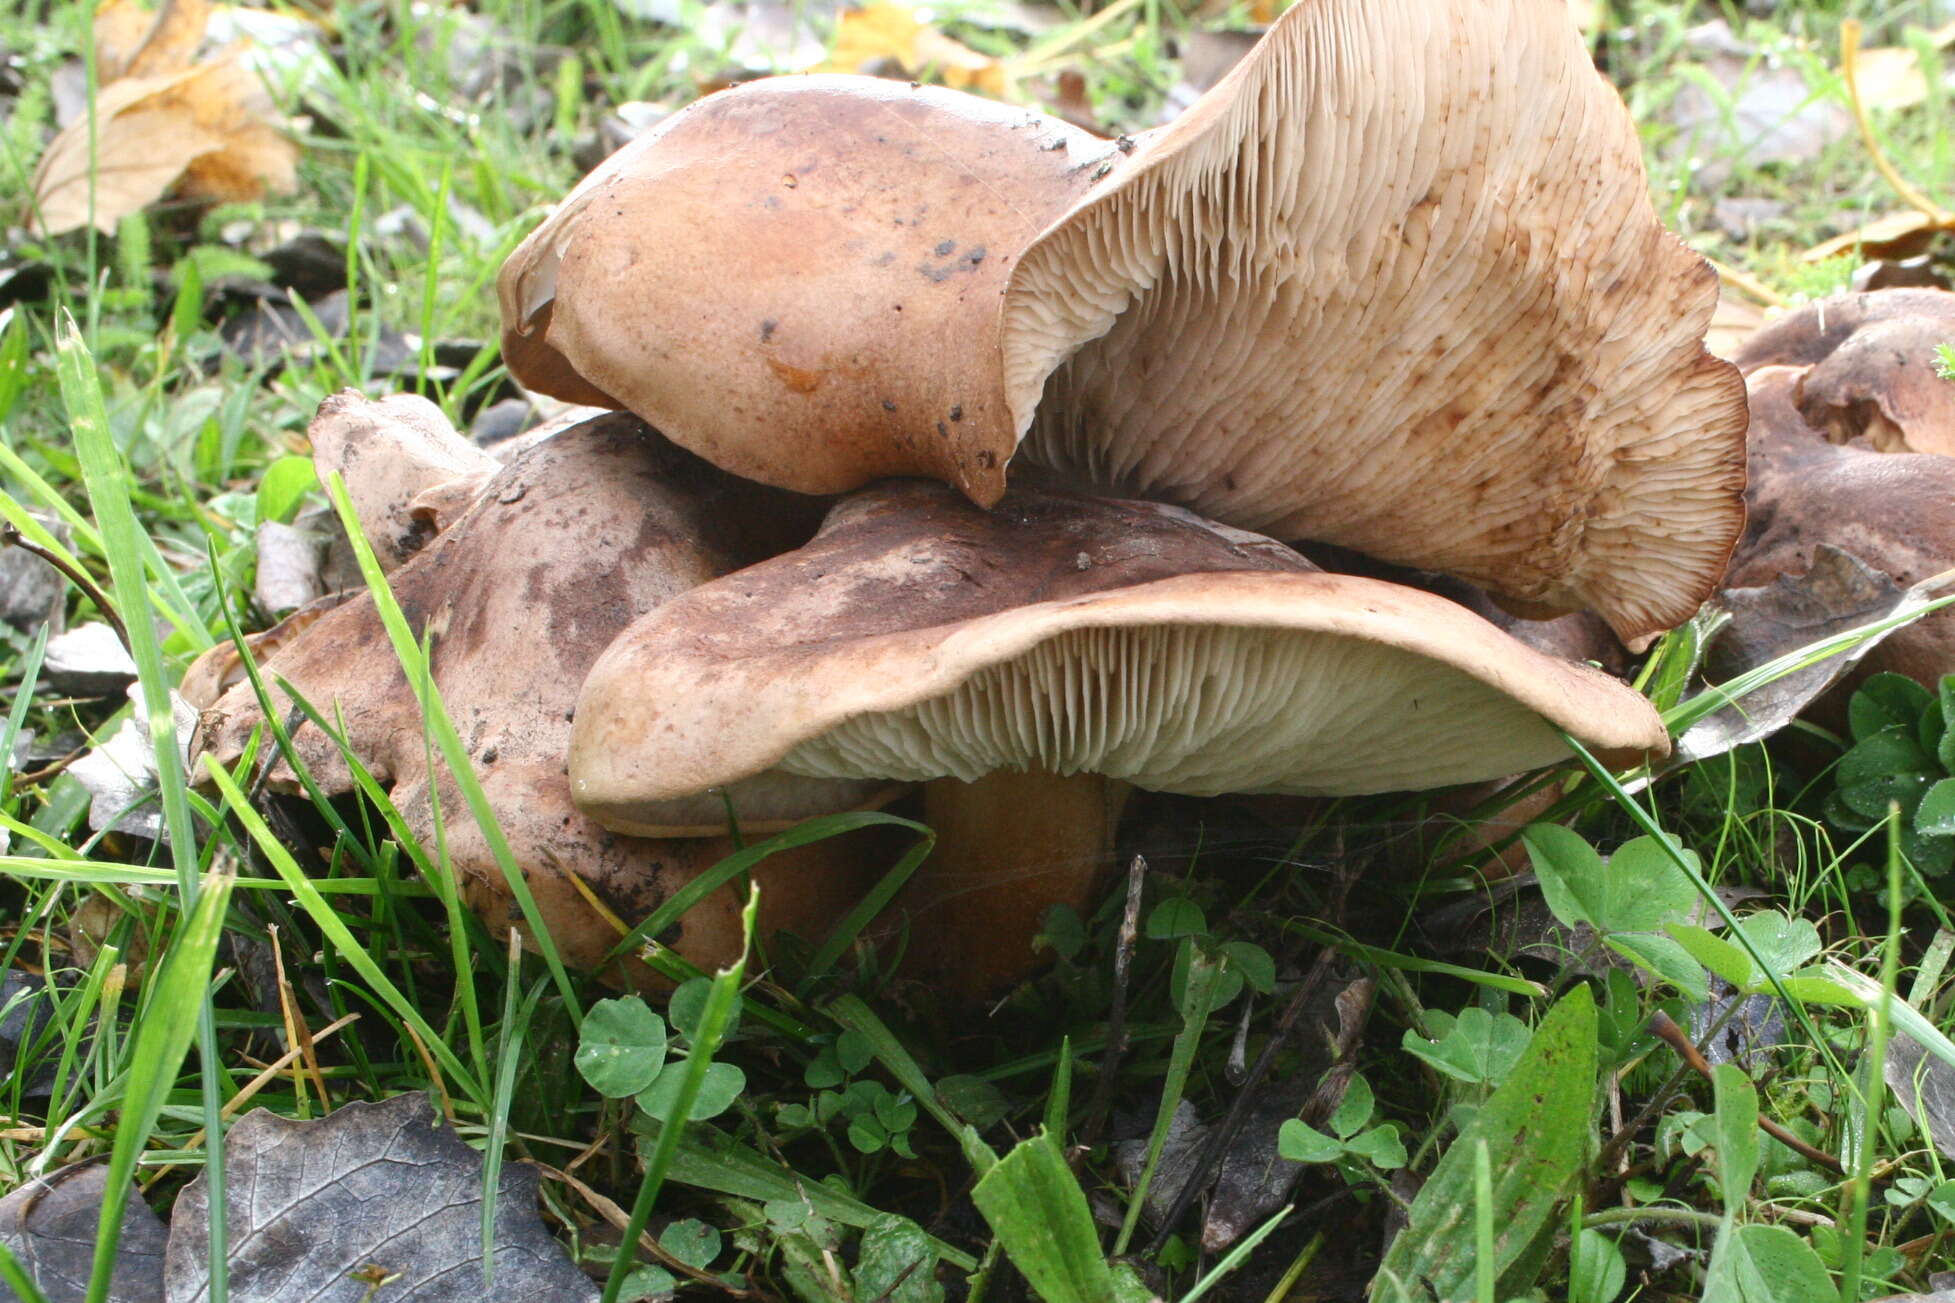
[
  {"x": 1116, "y": 1027},
  {"x": 616, "y": 1217},
  {"x": 1662, "y": 1025},
  {"x": 1202, "y": 1170},
  {"x": 52, "y": 770},
  {"x": 12, "y": 537}
]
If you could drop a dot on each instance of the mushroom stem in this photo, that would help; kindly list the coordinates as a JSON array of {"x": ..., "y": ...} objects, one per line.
[{"x": 1009, "y": 846}]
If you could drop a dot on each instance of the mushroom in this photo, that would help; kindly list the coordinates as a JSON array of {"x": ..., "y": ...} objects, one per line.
[
  {"x": 1019, "y": 660},
  {"x": 1894, "y": 511},
  {"x": 1871, "y": 369},
  {"x": 560, "y": 551},
  {"x": 407, "y": 472},
  {"x": 1395, "y": 283},
  {"x": 798, "y": 278}
]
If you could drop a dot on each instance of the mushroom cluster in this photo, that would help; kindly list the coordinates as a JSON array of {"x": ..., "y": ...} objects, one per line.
[
  {"x": 1393, "y": 285},
  {"x": 1852, "y": 445}
]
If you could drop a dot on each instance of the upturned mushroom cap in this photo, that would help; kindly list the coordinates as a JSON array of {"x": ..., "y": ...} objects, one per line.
[
  {"x": 408, "y": 473},
  {"x": 1395, "y": 283},
  {"x": 918, "y": 637},
  {"x": 1895, "y": 512},
  {"x": 798, "y": 278},
  {"x": 1870, "y": 367},
  {"x": 562, "y": 549}
]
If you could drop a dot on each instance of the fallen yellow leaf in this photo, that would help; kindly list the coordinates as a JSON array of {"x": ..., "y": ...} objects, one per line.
[
  {"x": 1890, "y": 76},
  {"x": 879, "y": 31},
  {"x": 162, "y": 124}
]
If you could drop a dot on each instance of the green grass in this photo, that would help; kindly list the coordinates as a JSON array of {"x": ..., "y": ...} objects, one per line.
[{"x": 136, "y": 446}]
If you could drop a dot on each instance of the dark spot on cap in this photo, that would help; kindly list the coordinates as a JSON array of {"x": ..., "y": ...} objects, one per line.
[
  {"x": 767, "y": 329},
  {"x": 957, "y": 412},
  {"x": 943, "y": 431},
  {"x": 888, "y": 406},
  {"x": 945, "y": 248}
]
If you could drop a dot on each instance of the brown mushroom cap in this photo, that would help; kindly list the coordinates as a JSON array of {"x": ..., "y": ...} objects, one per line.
[
  {"x": 562, "y": 549},
  {"x": 1395, "y": 283},
  {"x": 919, "y": 637},
  {"x": 1896, "y": 512},
  {"x": 407, "y": 471},
  {"x": 798, "y": 278},
  {"x": 1871, "y": 367}
]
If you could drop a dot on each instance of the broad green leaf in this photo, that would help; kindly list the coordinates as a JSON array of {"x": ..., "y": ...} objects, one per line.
[
  {"x": 1354, "y": 1110},
  {"x": 1254, "y": 963},
  {"x": 621, "y": 1046},
  {"x": 1728, "y": 961},
  {"x": 973, "y": 1099},
  {"x": 897, "y": 1262},
  {"x": 692, "y": 1242},
  {"x": 1381, "y": 1146},
  {"x": 1935, "y": 816},
  {"x": 712, "y": 1160},
  {"x": 1638, "y": 890},
  {"x": 1886, "y": 701},
  {"x": 1596, "y": 1270},
  {"x": 1645, "y": 888},
  {"x": 1945, "y": 751},
  {"x": 1785, "y": 944},
  {"x": 1035, "y": 1207},
  {"x": 285, "y": 484},
  {"x": 1766, "y": 1264},
  {"x": 1736, "y": 1119},
  {"x": 721, "y": 1085},
  {"x": 1537, "y": 1126},
  {"x": 1176, "y": 916},
  {"x": 1476, "y": 1047},
  {"x": 1569, "y": 869},
  {"x": 1300, "y": 1142},
  {"x": 1664, "y": 957}
]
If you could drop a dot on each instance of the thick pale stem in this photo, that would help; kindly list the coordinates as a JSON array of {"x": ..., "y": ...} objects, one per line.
[{"x": 1009, "y": 846}]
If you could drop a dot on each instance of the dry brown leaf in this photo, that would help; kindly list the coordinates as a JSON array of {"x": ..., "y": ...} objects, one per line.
[
  {"x": 1890, "y": 76},
  {"x": 135, "y": 40},
  {"x": 203, "y": 130},
  {"x": 1891, "y": 235},
  {"x": 875, "y": 32}
]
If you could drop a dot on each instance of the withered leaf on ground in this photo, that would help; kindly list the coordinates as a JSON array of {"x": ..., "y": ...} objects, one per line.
[
  {"x": 1925, "y": 1087},
  {"x": 1838, "y": 593},
  {"x": 381, "y": 1186},
  {"x": 50, "y": 1224},
  {"x": 880, "y": 31},
  {"x": 88, "y": 661},
  {"x": 203, "y": 130}
]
